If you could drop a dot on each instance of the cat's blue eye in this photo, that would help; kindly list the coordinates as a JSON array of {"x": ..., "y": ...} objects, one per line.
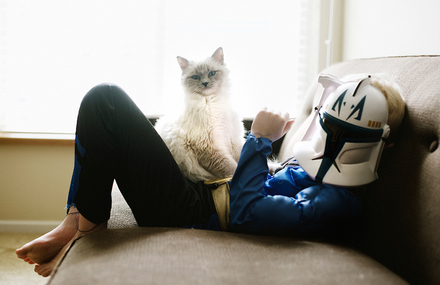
[
  {"x": 195, "y": 77},
  {"x": 212, "y": 73}
]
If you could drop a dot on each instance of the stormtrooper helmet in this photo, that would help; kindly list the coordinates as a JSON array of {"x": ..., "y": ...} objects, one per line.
[{"x": 344, "y": 142}]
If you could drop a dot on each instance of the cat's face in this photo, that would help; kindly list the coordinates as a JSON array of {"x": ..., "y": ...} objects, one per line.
[{"x": 204, "y": 78}]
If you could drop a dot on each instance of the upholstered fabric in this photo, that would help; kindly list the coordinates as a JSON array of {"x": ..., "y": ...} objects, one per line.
[
  {"x": 398, "y": 239},
  {"x": 186, "y": 256}
]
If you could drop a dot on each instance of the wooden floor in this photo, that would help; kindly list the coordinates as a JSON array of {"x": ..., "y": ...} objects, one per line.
[{"x": 14, "y": 271}]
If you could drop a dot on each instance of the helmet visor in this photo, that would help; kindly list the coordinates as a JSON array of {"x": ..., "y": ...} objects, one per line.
[{"x": 339, "y": 133}]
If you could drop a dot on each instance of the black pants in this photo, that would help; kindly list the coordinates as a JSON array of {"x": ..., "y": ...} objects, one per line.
[{"x": 115, "y": 141}]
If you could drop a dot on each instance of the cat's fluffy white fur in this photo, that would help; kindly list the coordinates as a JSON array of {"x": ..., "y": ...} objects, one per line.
[{"x": 207, "y": 136}]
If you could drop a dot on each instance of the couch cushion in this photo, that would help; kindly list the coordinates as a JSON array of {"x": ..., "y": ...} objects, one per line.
[
  {"x": 186, "y": 256},
  {"x": 121, "y": 215}
]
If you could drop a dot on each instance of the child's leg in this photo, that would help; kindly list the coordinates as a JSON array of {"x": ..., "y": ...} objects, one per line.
[{"x": 116, "y": 141}]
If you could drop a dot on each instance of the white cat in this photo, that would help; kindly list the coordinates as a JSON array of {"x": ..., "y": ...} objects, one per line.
[{"x": 207, "y": 136}]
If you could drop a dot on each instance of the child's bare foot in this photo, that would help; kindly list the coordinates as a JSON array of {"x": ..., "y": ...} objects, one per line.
[
  {"x": 46, "y": 269},
  {"x": 84, "y": 227},
  {"x": 46, "y": 247}
]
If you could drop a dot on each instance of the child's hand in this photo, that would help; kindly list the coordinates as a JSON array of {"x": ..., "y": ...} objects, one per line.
[{"x": 271, "y": 125}]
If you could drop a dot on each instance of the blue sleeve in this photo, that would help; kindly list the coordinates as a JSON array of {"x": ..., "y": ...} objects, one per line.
[{"x": 297, "y": 205}]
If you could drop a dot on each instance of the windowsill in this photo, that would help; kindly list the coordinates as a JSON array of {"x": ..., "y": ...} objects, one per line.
[
  {"x": 36, "y": 138},
  {"x": 57, "y": 138}
]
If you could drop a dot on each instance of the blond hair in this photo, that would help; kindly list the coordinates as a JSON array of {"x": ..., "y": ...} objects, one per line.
[
  {"x": 393, "y": 94},
  {"x": 396, "y": 103}
]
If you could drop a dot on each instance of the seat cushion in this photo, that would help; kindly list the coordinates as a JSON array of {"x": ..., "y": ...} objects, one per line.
[
  {"x": 189, "y": 256},
  {"x": 121, "y": 215}
]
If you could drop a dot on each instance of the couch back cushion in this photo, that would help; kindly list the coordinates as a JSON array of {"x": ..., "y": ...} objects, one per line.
[{"x": 401, "y": 227}]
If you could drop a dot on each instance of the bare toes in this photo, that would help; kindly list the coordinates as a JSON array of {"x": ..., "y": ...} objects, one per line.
[
  {"x": 44, "y": 269},
  {"x": 28, "y": 260},
  {"x": 22, "y": 252}
]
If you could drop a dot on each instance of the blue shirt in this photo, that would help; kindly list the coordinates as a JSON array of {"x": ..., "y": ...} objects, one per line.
[{"x": 288, "y": 202}]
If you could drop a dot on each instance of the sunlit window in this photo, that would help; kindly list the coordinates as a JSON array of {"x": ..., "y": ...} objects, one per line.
[{"x": 53, "y": 51}]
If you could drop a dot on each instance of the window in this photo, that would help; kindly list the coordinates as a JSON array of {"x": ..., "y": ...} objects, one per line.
[{"x": 52, "y": 52}]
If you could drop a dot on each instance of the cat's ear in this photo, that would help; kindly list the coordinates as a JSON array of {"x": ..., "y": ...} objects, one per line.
[
  {"x": 183, "y": 62},
  {"x": 218, "y": 55}
]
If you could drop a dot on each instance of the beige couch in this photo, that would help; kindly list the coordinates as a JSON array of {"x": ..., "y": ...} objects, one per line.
[{"x": 398, "y": 240}]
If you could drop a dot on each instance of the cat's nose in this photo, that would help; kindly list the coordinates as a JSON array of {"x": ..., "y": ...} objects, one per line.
[{"x": 205, "y": 84}]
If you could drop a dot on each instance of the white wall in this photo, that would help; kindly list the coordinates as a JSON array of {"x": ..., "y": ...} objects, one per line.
[{"x": 376, "y": 28}]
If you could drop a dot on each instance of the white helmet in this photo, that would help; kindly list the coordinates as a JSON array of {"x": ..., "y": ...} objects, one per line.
[{"x": 344, "y": 142}]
